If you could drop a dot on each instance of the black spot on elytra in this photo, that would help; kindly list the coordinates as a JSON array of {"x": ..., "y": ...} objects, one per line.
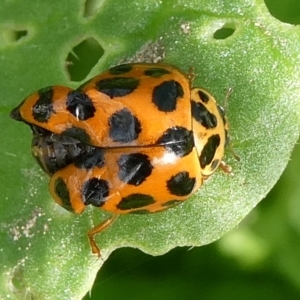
[
  {"x": 156, "y": 72},
  {"x": 121, "y": 69},
  {"x": 134, "y": 168},
  {"x": 117, "y": 86},
  {"x": 166, "y": 95},
  {"x": 80, "y": 105},
  {"x": 43, "y": 108},
  {"x": 203, "y": 116},
  {"x": 93, "y": 159},
  {"x": 78, "y": 134},
  {"x": 203, "y": 96},
  {"x": 15, "y": 113},
  {"x": 135, "y": 201},
  {"x": 209, "y": 150},
  {"x": 62, "y": 191},
  {"x": 94, "y": 192},
  {"x": 181, "y": 184},
  {"x": 178, "y": 140},
  {"x": 124, "y": 127}
]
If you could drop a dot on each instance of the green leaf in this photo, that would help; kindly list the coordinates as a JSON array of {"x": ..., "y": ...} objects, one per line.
[{"x": 44, "y": 250}]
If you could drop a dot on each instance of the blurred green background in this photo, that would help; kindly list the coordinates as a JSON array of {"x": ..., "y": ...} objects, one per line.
[{"x": 258, "y": 260}]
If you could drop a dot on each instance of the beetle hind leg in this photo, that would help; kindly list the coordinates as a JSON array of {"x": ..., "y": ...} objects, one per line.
[{"x": 97, "y": 229}]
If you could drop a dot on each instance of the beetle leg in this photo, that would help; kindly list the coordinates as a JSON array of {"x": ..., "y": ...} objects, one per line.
[{"x": 97, "y": 229}]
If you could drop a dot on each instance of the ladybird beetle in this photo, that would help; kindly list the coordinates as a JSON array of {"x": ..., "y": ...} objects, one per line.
[{"x": 134, "y": 139}]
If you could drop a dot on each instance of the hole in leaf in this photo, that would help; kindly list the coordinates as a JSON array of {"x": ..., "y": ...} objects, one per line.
[
  {"x": 13, "y": 35},
  {"x": 225, "y": 32},
  {"x": 17, "y": 284},
  {"x": 82, "y": 58},
  {"x": 91, "y": 7},
  {"x": 286, "y": 11},
  {"x": 18, "y": 34}
]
